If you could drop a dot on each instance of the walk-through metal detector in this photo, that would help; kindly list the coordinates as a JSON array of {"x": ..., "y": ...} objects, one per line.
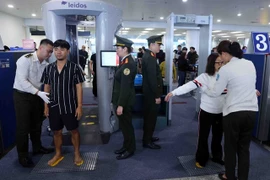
[
  {"x": 108, "y": 20},
  {"x": 204, "y": 25}
]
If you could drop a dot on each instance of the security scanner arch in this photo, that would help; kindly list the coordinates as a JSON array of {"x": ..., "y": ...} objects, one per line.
[
  {"x": 108, "y": 20},
  {"x": 204, "y": 25}
]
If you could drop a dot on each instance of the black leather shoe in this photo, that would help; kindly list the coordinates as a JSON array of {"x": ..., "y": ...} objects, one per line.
[
  {"x": 152, "y": 146},
  {"x": 43, "y": 150},
  {"x": 120, "y": 151},
  {"x": 154, "y": 139},
  {"x": 26, "y": 162},
  {"x": 124, "y": 155}
]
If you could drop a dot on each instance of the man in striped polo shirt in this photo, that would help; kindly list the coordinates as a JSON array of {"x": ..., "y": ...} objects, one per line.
[{"x": 63, "y": 80}]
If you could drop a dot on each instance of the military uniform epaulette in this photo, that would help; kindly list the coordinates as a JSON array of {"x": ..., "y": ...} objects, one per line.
[
  {"x": 125, "y": 61},
  {"x": 28, "y": 55}
]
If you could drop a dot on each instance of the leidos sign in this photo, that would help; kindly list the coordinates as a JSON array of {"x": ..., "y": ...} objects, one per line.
[{"x": 74, "y": 4}]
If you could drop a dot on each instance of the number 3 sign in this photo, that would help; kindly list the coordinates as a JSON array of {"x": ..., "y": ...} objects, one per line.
[{"x": 260, "y": 42}]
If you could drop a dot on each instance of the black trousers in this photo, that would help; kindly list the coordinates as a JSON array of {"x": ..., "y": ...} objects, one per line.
[
  {"x": 206, "y": 121},
  {"x": 95, "y": 85},
  {"x": 149, "y": 117},
  {"x": 125, "y": 123},
  {"x": 29, "y": 117},
  {"x": 238, "y": 128}
]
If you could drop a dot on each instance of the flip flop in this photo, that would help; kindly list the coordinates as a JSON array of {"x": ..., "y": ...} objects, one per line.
[
  {"x": 198, "y": 165},
  {"x": 78, "y": 163},
  {"x": 57, "y": 161}
]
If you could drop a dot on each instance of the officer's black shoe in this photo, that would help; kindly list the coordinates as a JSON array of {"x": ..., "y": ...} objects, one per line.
[
  {"x": 120, "y": 151},
  {"x": 43, "y": 150},
  {"x": 26, "y": 162},
  {"x": 154, "y": 139},
  {"x": 124, "y": 155},
  {"x": 152, "y": 146}
]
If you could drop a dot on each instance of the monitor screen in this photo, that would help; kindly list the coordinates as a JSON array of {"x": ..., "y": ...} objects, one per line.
[{"x": 109, "y": 58}]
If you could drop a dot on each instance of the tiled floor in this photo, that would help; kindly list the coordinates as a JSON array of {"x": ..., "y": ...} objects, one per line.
[{"x": 212, "y": 177}]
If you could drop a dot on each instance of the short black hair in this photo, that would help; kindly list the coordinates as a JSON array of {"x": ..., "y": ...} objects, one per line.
[
  {"x": 210, "y": 66},
  {"x": 233, "y": 48},
  {"x": 184, "y": 48},
  {"x": 192, "y": 48},
  {"x": 61, "y": 43},
  {"x": 179, "y": 45},
  {"x": 46, "y": 42}
]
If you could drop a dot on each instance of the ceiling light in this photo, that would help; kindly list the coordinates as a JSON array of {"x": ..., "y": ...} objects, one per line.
[
  {"x": 184, "y": 33},
  {"x": 269, "y": 23},
  {"x": 222, "y": 34},
  {"x": 34, "y": 15},
  {"x": 218, "y": 20},
  {"x": 216, "y": 31},
  {"x": 174, "y": 29},
  {"x": 239, "y": 34},
  {"x": 126, "y": 28},
  {"x": 161, "y": 18},
  {"x": 10, "y": 6},
  {"x": 184, "y": 0},
  {"x": 239, "y": 14},
  {"x": 149, "y": 29},
  {"x": 163, "y": 32},
  {"x": 124, "y": 31},
  {"x": 145, "y": 31},
  {"x": 178, "y": 34},
  {"x": 79, "y": 28},
  {"x": 159, "y": 34},
  {"x": 236, "y": 32}
]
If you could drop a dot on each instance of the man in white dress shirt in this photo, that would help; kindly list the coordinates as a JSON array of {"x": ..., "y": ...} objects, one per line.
[{"x": 29, "y": 101}]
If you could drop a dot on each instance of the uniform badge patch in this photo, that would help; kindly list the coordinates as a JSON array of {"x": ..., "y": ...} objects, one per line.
[{"x": 126, "y": 71}]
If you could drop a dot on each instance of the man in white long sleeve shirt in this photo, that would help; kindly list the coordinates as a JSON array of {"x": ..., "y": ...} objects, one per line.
[{"x": 28, "y": 101}]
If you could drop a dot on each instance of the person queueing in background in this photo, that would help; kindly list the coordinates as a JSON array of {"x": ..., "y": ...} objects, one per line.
[
  {"x": 182, "y": 67},
  {"x": 93, "y": 69},
  {"x": 83, "y": 55},
  {"x": 63, "y": 80},
  {"x": 240, "y": 108},
  {"x": 210, "y": 115},
  {"x": 28, "y": 101},
  {"x": 152, "y": 90},
  {"x": 162, "y": 67},
  {"x": 123, "y": 96}
]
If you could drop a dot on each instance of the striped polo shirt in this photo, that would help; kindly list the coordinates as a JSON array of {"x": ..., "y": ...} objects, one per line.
[{"x": 63, "y": 86}]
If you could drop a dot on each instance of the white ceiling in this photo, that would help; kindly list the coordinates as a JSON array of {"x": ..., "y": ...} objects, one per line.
[{"x": 253, "y": 12}]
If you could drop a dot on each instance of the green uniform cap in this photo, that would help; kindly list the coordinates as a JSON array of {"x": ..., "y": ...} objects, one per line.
[
  {"x": 123, "y": 42},
  {"x": 155, "y": 39}
]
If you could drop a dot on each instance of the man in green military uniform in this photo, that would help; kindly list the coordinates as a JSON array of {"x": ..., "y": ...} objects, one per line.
[
  {"x": 123, "y": 96},
  {"x": 152, "y": 90}
]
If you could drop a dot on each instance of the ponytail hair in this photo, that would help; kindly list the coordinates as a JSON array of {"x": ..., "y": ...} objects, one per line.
[{"x": 233, "y": 48}]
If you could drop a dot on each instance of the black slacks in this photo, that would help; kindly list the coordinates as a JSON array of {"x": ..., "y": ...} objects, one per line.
[
  {"x": 95, "y": 85},
  {"x": 125, "y": 123},
  {"x": 238, "y": 128},
  {"x": 206, "y": 121},
  {"x": 149, "y": 118},
  {"x": 29, "y": 117}
]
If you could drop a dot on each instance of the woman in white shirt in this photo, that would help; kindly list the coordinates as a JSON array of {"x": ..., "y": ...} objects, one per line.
[
  {"x": 210, "y": 114},
  {"x": 240, "y": 107}
]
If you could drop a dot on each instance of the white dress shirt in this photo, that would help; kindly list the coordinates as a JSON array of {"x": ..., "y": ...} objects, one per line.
[
  {"x": 28, "y": 73},
  {"x": 209, "y": 104},
  {"x": 239, "y": 77}
]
